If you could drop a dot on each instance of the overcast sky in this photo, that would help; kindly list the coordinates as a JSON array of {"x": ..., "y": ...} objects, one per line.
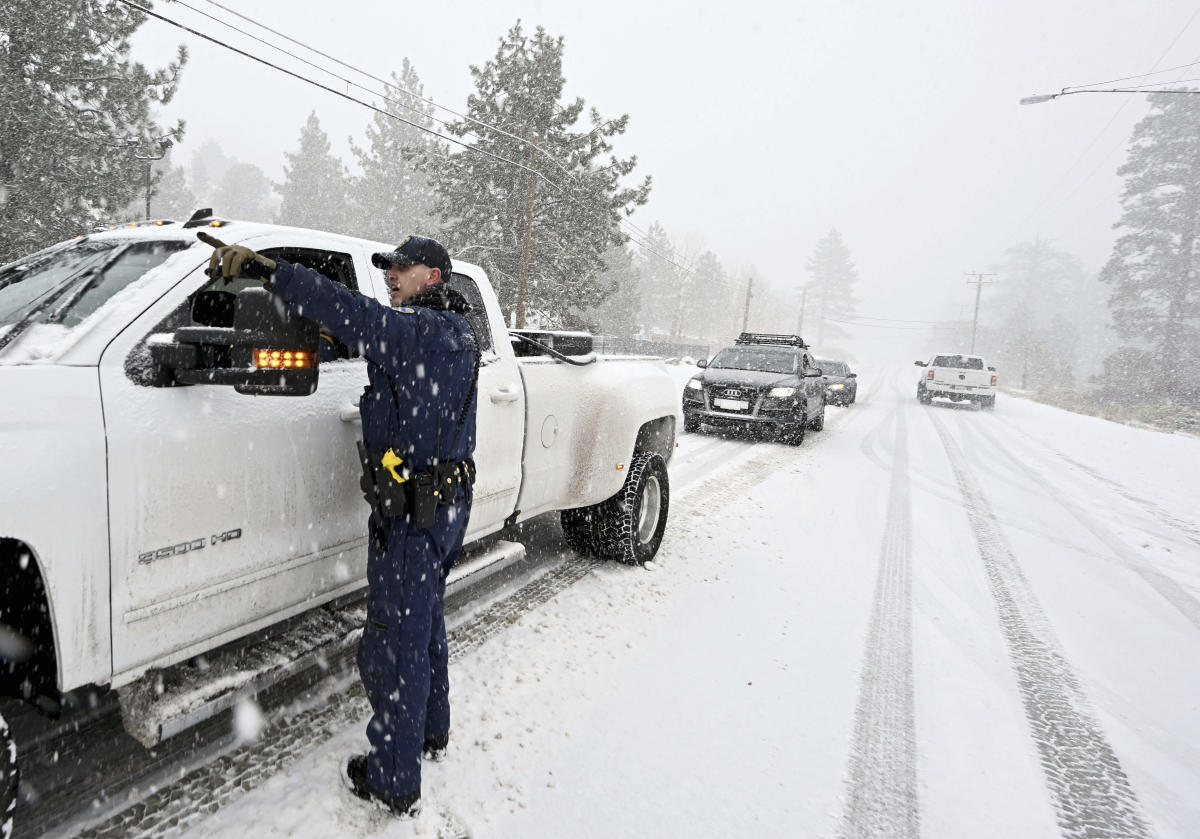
[{"x": 766, "y": 123}]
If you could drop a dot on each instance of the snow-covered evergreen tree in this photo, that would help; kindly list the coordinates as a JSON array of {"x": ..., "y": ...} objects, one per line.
[
  {"x": 541, "y": 219},
  {"x": 172, "y": 197},
  {"x": 76, "y": 128},
  {"x": 1155, "y": 300},
  {"x": 314, "y": 188},
  {"x": 392, "y": 197},
  {"x": 618, "y": 313},
  {"x": 207, "y": 169},
  {"x": 246, "y": 193},
  {"x": 831, "y": 289},
  {"x": 1045, "y": 303},
  {"x": 660, "y": 281}
]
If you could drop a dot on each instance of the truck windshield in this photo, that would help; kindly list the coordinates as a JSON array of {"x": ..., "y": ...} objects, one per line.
[
  {"x": 767, "y": 361},
  {"x": 33, "y": 288}
]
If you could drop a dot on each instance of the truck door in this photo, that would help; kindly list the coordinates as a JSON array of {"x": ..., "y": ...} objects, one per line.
[{"x": 228, "y": 511}]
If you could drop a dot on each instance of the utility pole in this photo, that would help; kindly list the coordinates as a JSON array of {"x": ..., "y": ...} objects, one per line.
[
  {"x": 527, "y": 241},
  {"x": 979, "y": 282},
  {"x": 800, "y": 320},
  {"x": 746, "y": 313}
]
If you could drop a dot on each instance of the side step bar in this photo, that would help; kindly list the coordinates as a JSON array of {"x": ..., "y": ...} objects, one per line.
[{"x": 166, "y": 702}]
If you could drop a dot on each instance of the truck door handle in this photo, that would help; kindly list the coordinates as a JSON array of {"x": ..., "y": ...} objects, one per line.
[
  {"x": 349, "y": 413},
  {"x": 506, "y": 393}
]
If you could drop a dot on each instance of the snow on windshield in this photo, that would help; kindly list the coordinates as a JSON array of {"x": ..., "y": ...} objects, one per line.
[{"x": 765, "y": 360}]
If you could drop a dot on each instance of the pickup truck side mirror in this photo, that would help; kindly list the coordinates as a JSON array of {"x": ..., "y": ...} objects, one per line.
[
  {"x": 919, "y": 363},
  {"x": 702, "y": 363},
  {"x": 993, "y": 369},
  {"x": 267, "y": 351}
]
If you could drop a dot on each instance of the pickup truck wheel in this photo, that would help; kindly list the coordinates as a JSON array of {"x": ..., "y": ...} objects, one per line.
[
  {"x": 923, "y": 396},
  {"x": 8, "y": 780},
  {"x": 988, "y": 403},
  {"x": 629, "y": 526}
]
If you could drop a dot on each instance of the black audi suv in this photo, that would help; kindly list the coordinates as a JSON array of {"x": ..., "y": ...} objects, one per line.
[{"x": 764, "y": 383}]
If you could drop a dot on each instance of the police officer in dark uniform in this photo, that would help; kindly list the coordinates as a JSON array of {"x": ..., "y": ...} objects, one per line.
[{"x": 418, "y": 417}]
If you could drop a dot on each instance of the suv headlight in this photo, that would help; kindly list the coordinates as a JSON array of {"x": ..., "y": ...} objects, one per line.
[
  {"x": 837, "y": 387},
  {"x": 694, "y": 384},
  {"x": 781, "y": 392}
]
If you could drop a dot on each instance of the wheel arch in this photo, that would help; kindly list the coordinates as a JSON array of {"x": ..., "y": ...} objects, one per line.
[{"x": 29, "y": 643}]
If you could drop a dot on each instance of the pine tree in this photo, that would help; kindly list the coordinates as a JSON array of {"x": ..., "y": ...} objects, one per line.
[
  {"x": 702, "y": 303},
  {"x": 76, "y": 131},
  {"x": 1155, "y": 300},
  {"x": 314, "y": 187},
  {"x": 1044, "y": 303},
  {"x": 392, "y": 197},
  {"x": 208, "y": 167},
  {"x": 246, "y": 193},
  {"x": 617, "y": 314},
  {"x": 661, "y": 281},
  {"x": 172, "y": 197},
  {"x": 831, "y": 290},
  {"x": 540, "y": 219}
]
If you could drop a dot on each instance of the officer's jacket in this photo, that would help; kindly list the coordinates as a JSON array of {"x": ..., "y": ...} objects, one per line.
[{"x": 420, "y": 363}]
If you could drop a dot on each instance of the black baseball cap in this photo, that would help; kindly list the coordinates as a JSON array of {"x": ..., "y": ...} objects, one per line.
[{"x": 415, "y": 250}]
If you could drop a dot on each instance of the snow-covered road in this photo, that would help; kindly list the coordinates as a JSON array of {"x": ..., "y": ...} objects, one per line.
[{"x": 929, "y": 621}]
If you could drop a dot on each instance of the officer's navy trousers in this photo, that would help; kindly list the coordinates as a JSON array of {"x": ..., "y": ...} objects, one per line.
[{"x": 402, "y": 657}]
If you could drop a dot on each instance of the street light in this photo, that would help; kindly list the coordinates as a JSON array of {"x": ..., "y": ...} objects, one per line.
[
  {"x": 164, "y": 145},
  {"x": 1046, "y": 97}
]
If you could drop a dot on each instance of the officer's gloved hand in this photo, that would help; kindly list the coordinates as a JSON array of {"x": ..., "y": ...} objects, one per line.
[{"x": 232, "y": 261}]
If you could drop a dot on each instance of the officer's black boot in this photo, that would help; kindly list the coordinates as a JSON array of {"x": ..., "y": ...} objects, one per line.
[
  {"x": 435, "y": 747},
  {"x": 355, "y": 775}
]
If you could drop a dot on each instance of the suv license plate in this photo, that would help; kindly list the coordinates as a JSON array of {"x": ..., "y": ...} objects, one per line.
[{"x": 731, "y": 404}]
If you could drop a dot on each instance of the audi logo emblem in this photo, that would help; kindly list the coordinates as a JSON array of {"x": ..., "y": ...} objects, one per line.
[{"x": 731, "y": 392}]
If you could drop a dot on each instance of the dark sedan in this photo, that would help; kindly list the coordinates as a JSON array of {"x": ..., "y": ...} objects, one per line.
[{"x": 841, "y": 384}]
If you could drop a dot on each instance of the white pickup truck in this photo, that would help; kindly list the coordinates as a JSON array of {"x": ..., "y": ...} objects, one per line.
[
  {"x": 148, "y": 516},
  {"x": 960, "y": 378}
]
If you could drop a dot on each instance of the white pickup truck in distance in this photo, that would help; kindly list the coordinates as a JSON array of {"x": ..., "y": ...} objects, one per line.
[
  {"x": 150, "y": 513},
  {"x": 960, "y": 378}
]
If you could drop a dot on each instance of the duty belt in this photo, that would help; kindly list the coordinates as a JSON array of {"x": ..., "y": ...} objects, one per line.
[{"x": 393, "y": 489}]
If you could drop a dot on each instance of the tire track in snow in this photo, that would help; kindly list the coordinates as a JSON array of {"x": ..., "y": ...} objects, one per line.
[
  {"x": 1091, "y": 794},
  {"x": 1167, "y": 587},
  {"x": 882, "y": 783},
  {"x": 1186, "y": 529},
  {"x": 177, "y": 806}
]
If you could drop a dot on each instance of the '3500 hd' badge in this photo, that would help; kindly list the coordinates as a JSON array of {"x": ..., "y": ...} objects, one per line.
[{"x": 189, "y": 546}]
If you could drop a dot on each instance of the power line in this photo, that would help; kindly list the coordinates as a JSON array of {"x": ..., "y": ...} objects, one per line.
[
  {"x": 378, "y": 110},
  {"x": 1066, "y": 173},
  {"x": 387, "y": 84}
]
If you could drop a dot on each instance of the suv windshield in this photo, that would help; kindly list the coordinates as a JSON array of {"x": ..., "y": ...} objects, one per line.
[
  {"x": 768, "y": 361},
  {"x": 36, "y": 282},
  {"x": 959, "y": 362}
]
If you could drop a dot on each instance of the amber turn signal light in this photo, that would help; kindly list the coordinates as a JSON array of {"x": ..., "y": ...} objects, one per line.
[{"x": 281, "y": 359}]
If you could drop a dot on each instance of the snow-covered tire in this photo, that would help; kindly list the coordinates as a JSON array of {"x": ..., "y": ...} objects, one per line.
[
  {"x": 8, "y": 780},
  {"x": 629, "y": 526},
  {"x": 988, "y": 403},
  {"x": 923, "y": 396},
  {"x": 794, "y": 435},
  {"x": 818, "y": 423},
  {"x": 691, "y": 424}
]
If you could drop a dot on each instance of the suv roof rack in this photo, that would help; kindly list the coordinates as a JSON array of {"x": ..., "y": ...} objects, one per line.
[{"x": 768, "y": 338}]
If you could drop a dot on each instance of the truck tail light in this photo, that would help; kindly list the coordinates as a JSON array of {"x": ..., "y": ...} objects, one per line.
[
  {"x": 929, "y": 375},
  {"x": 282, "y": 359},
  {"x": 993, "y": 378}
]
